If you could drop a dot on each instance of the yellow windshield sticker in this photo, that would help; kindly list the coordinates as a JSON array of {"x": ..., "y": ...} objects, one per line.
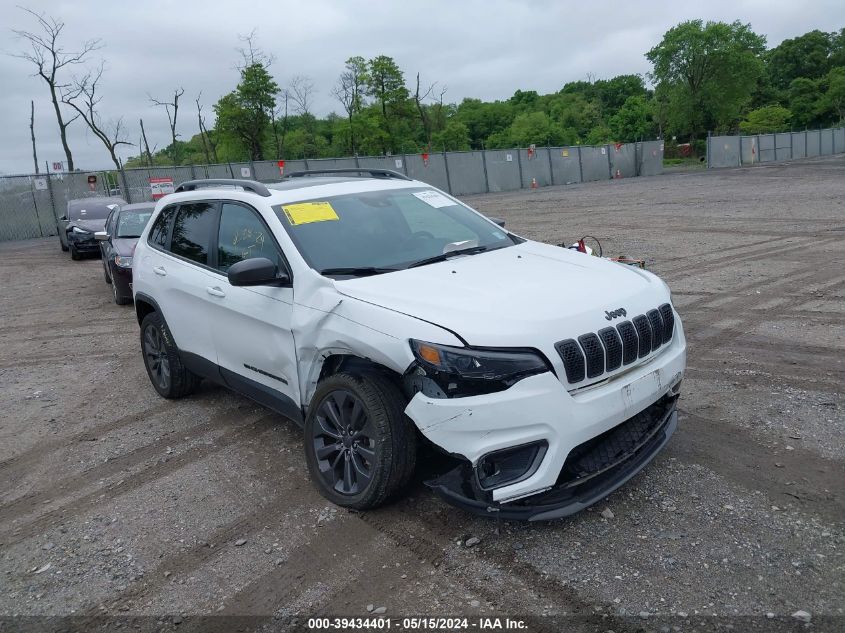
[{"x": 307, "y": 212}]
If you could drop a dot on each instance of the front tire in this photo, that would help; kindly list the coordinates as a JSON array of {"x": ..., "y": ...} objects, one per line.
[
  {"x": 170, "y": 378},
  {"x": 106, "y": 271},
  {"x": 359, "y": 444},
  {"x": 74, "y": 254},
  {"x": 119, "y": 299}
]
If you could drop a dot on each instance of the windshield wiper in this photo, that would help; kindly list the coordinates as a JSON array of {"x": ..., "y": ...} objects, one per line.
[
  {"x": 359, "y": 271},
  {"x": 442, "y": 258}
]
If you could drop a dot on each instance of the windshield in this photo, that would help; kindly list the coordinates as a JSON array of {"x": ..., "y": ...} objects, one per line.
[
  {"x": 96, "y": 211},
  {"x": 130, "y": 223},
  {"x": 385, "y": 230}
]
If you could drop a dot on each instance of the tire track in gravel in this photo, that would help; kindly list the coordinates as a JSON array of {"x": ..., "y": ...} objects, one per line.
[
  {"x": 47, "y": 447},
  {"x": 815, "y": 482},
  {"x": 153, "y": 473},
  {"x": 716, "y": 262},
  {"x": 75, "y": 483}
]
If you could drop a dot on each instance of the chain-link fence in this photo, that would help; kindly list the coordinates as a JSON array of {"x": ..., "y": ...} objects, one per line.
[
  {"x": 736, "y": 151},
  {"x": 30, "y": 205}
]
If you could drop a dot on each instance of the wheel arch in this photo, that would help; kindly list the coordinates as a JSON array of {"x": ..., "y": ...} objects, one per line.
[{"x": 144, "y": 305}]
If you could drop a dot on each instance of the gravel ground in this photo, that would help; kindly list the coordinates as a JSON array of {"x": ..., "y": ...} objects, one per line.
[{"x": 118, "y": 503}]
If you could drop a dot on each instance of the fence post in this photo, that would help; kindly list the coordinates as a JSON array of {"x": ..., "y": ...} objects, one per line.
[
  {"x": 252, "y": 170},
  {"x": 820, "y": 140},
  {"x": 832, "y": 140},
  {"x": 193, "y": 173},
  {"x": 551, "y": 168},
  {"x": 231, "y": 171},
  {"x": 484, "y": 162},
  {"x": 52, "y": 199},
  {"x": 740, "y": 150},
  {"x": 775, "y": 143},
  {"x": 759, "y": 150},
  {"x": 448, "y": 177},
  {"x": 519, "y": 164},
  {"x": 357, "y": 162},
  {"x": 305, "y": 160},
  {"x": 35, "y": 204},
  {"x": 637, "y": 151},
  {"x": 709, "y": 162},
  {"x": 580, "y": 166},
  {"x": 609, "y": 164},
  {"x": 791, "y": 148},
  {"x": 404, "y": 162}
]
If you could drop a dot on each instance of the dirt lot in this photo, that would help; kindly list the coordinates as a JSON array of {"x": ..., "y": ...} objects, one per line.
[{"x": 116, "y": 502}]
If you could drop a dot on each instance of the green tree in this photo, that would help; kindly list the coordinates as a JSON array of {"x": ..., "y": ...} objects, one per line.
[
  {"x": 805, "y": 102},
  {"x": 453, "y": 138},
  {"x": 710, "y": 71},
  {"x": 386, "y": 84},
  {"x": 835, "y": 95},
  {"x": 243, "y": 116},
  {"x": 633, "y": 121},
  {"x": 532, "y": 127},
  {"x": 766, "y": 120},
  {"x": 807, "y": 56}
]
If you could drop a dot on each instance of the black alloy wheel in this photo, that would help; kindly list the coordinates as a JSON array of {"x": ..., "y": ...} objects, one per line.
[
  {"x": 155, "y": 355},
  {"x": 344, "y": 443}
]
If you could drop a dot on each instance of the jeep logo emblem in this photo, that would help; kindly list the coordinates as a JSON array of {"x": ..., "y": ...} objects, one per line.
[{"x": 615, "y": 313}]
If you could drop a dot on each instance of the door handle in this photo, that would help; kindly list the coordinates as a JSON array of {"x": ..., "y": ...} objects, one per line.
[
  {"x": 215, "y": 291},
  {"x": 159, "y": 270}
]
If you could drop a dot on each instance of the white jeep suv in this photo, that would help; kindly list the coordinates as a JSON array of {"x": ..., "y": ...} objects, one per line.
[{"x": 383, "y": 315}]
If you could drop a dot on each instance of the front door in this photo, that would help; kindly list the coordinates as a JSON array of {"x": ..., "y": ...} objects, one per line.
[{"x": 251, "y": 326}]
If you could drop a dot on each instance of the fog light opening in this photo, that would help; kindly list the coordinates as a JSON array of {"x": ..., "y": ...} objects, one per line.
[{"x": 510, "y": 465}]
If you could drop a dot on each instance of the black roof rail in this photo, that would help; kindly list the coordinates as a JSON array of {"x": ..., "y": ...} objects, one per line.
[
  {"x": 246, "y": 185},
  {"x": 373, "y": 172}
]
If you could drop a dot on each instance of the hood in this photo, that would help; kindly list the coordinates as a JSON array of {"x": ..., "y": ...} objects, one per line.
[
  {"x": 528, "y": 295},
  {"x": 125, "y": 246},
  {"x": 88, "y": 225}
]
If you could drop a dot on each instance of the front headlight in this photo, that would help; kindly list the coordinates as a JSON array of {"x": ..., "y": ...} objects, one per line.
[
  {"x": 123, "y": 262},
  {"x": 463, "y": 371},
  {"x": 77, "y": 230}
]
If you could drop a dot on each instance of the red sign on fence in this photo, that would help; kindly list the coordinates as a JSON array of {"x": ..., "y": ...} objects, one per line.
[
  {"x": 160, "y": 187},
  {"x": 281, "y": 165}
]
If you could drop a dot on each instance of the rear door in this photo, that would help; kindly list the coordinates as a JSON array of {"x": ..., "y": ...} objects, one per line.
[
  {"x": 251, "y": 326},
  {"x": 182, "y": 273}
]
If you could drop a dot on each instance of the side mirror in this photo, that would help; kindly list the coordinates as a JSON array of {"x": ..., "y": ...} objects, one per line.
[
  {"x": 258, "y": 271},
  {"x": 101, "y": 236},
  {"x": 498, "y": 221},
  {"x": 63, "y": 218}
]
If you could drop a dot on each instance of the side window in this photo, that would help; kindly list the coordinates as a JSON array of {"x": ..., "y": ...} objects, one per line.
[
  {"x": 243, "y": 236},
  {"x": 192, "y": 230},
  {"x": 158, "y": 232}
]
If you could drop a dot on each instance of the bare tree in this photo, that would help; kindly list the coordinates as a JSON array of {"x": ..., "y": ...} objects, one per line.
[
  {"x": 280, "y": 110},
  {"x": 349, "y": 91},
  {"x": 172, "y": 109},
  {"x": 251, "y": 53},
  {"x": 209, "y": 146},
  {"x": 50, "y": 58},
  {"x": 302, "y": 92},
  {"x": 423, "y": 109},
  {"x": 82, "y": 96},
  {"x": 146, "y": 146},
  {"x": 32, "y": 133}
]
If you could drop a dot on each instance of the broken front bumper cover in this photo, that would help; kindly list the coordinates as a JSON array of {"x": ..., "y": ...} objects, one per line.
[{"x": 592, "y": 470}]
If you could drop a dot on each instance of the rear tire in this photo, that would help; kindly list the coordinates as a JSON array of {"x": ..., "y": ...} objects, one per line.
[
  {"x": 118, "y": 298},
  {"x": 360, "y": 446},
  {"x": 169, "y": 377}
]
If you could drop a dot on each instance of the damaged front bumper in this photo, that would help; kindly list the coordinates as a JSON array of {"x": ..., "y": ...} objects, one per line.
[
  {"x": 548, "y": 427},
  {"x": 592, "y": 470}
]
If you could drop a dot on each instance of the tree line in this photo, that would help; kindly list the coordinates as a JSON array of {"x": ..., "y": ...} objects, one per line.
[{"x": 712, "y": 76}]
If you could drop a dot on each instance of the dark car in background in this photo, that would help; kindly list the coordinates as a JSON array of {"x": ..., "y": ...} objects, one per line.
[
  {"x": 117, "y": 245},
  {"x": 84, "y": 217}
]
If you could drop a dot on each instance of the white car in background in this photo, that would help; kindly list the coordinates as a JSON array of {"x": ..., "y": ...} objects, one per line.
[{"x": 381, "y": 313}]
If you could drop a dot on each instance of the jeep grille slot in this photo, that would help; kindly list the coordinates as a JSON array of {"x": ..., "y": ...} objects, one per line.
[
  {"x": 573, "y": 360},
  {"x": 630, "y": 342},
  {"x": 656, "y": 327},
  {"x": 612, "y": 348},
  {"x": 595, "y": 354},
  {"x": 644, "y": 334},
  {"x": 668, "y": 322}
]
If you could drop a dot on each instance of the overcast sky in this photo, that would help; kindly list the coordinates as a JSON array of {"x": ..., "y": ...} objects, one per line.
[{"x": 475, "y": 48}]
